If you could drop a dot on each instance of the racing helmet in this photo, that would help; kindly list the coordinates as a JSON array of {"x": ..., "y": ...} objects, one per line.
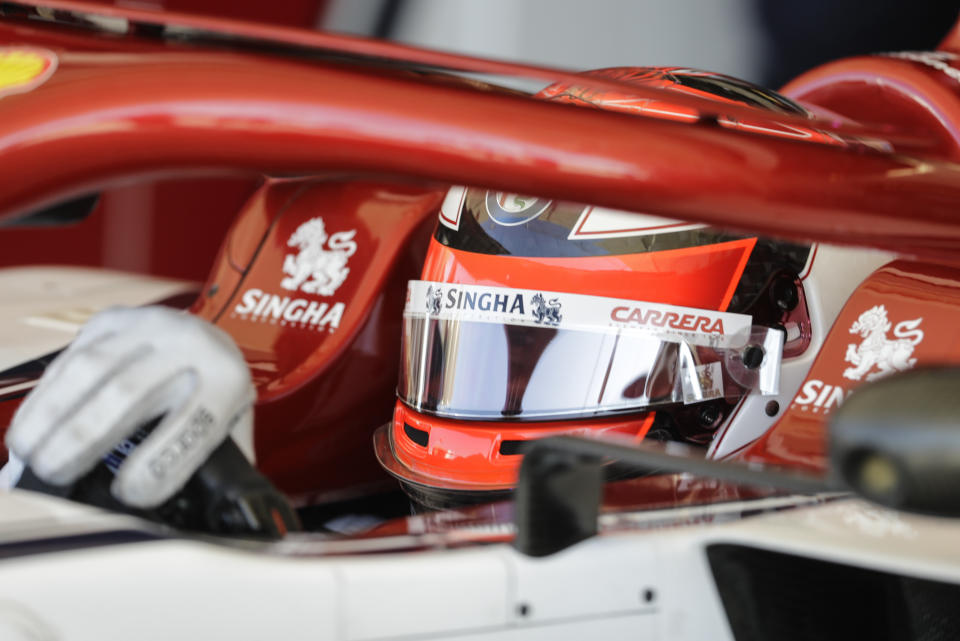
[{"x": 537, "y": 317}]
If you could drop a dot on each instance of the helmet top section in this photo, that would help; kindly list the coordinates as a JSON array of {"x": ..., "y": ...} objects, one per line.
[
  {"x": 691, "y": 82},
  {"x": 497, "y": 238}
]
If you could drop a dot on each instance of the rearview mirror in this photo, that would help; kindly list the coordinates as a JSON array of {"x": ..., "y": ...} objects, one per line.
[{"x": 897, "y": 441}]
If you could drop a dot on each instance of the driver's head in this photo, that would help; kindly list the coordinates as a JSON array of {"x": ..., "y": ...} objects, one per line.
[{"x": 536, "y": 317}]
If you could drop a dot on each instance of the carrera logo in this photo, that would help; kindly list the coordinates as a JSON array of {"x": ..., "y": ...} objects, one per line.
[
  {"x": 494, "y": 304},
  {"x": 319, "y": 267},
  {"x": 656, "y": 318}
]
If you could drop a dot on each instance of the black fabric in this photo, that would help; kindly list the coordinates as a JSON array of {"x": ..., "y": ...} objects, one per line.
[
  {"x": 75, "y": 542},
  {"x": 69, "y": 212},
  {"x": 740, "y": 91},
  {"x": 547, "y": 234},
  {"x": 801, "y": 35},
  {"x": 770, "y": 595}
]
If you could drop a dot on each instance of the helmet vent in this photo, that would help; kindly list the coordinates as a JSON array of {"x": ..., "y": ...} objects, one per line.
[
  {"x": 511, "y": 448},
  {"x": 420, "y": 437}
]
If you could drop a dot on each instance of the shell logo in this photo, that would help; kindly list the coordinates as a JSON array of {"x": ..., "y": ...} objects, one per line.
[{"x": 23, "y": 69}]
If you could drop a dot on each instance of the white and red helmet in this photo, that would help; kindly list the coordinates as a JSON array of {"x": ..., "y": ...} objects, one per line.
[{"x": 536, "y": 317}]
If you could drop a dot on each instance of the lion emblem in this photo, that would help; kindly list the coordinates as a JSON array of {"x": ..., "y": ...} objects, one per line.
[
  {"x": 705, "y": 376},
  {"x": 433, "y": 299},
  {"x": 317, "y": 269},
  {"x": 876, "y": 350},
  {"x": 544, "y": 312}
]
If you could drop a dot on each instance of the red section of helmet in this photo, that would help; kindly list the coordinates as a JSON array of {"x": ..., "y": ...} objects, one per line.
[
  {"x": 704, "y": 277},
  {"x": 586, "y": 95},
  {"x": 460, "y": 454}
]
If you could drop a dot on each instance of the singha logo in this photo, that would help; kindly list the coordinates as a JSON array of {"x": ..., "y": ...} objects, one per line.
[
  {"x": 546, "y": 313},
  {"x": 315, "y": 269},
  {"x": 876, "y": 350},
  {"x": 433, "y": 299}
]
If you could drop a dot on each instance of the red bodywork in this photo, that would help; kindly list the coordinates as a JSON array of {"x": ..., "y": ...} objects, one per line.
[
  {"x": 914, "y": 94},
  {"x": 123, "y": 108},
  {"x": 326, "y": 374},
  {"x": 920, "y": 305},
  {"x": 178, "y": 223},
  {"x": 139, "y": 113},
  {"x": 691, "y": 82}
]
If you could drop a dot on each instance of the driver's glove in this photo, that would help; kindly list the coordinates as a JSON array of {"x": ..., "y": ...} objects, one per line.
[{"x": 126, "y": 368}]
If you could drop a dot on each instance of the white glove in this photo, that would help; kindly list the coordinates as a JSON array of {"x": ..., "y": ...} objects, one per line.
[{"x": 126, "y": 367}]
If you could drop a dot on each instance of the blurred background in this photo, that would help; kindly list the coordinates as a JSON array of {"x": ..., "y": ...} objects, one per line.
[{"x": 764, "y": 41}]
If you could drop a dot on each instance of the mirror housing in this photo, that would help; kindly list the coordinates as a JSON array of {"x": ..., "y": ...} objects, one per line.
[{"x": 897, "y": 441}]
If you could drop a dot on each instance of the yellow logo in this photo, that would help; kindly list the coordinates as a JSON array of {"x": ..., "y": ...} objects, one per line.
[{"x": 24, "y": 69}]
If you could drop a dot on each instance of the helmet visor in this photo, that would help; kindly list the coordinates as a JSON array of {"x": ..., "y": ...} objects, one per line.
[{"x": 493, "y": 353}]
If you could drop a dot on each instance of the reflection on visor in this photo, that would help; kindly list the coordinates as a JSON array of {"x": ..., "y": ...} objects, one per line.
[{"x": 491, "y": 352}]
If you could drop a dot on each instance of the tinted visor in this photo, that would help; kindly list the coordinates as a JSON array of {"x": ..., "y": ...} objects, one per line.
[{"x": 501, "y": 353}]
